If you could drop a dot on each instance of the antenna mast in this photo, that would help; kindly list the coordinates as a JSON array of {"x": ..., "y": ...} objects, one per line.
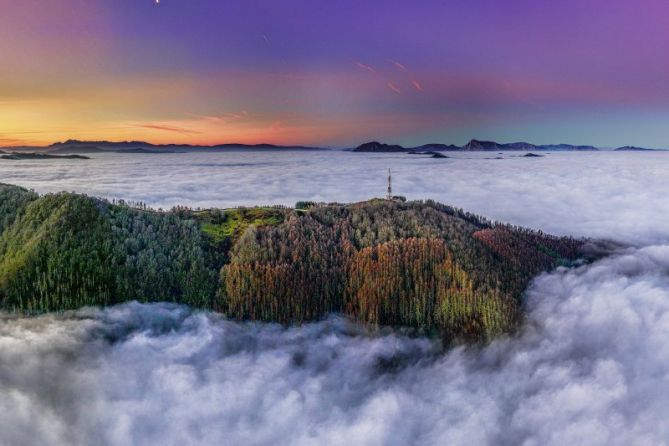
[{"x": 390, "y": 186}]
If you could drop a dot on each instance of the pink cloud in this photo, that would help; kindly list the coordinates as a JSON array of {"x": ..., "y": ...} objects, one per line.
[
  {"x": 227, "y": 117},
  {"x": 399, "y": 66},
  {"x": 394, "y": 87},
  {"x": 365, "y": 67},
  {"x": 417, "y": 85}
]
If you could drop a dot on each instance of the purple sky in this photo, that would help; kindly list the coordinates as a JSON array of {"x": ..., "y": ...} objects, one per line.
[{"x": 335, "y": 73}]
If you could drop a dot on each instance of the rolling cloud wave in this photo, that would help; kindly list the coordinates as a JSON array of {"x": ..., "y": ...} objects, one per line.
[{"x": 591, "y": 366}]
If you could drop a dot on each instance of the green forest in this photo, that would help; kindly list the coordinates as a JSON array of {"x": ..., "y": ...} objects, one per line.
[{"x": 418, "y": 264}]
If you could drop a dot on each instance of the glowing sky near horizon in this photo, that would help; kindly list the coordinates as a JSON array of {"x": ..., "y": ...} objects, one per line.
[{"x": 335, "y": 73}]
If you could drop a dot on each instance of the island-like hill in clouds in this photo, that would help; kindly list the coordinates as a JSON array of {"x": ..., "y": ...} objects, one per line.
[
  {"x": 633, "y": 149},
  {"x": 418, "y": 264},
  {"x": 474, "y": 145}
]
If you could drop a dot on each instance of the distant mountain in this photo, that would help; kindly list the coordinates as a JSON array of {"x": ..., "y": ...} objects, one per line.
[
  {"x": 518, "y": 146},
  {"x": 263, "y": 147},
  {"x": 432, "y": 153},
  {"x": 437, "y": 147},
  {"x": 76, "y": 146},
  {"x": 568, "y": 147},
  {"x": 69, "y": 150},
  {"x": 634, "y": 149},
  {"x": 141, "y": 150},
  {"x": 474, "y": 145},
  {"x": 376, "y": 146},
  {"x": 72, "y": 143}
]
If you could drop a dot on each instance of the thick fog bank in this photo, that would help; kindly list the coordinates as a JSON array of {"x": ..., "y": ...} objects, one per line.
[
  {"x": 601, "y": 194},
  {"x": 590, "y": 368}
]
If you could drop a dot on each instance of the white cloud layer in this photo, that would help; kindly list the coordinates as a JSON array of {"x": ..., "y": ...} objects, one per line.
[
  {"x": 599, "y": 194},
  {"x": 591, "y": 366}
]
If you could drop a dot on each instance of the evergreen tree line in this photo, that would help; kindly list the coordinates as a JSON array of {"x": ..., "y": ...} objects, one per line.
[
  {"x": 63, "y": 251},
  {"x": 416, "y": 264}
]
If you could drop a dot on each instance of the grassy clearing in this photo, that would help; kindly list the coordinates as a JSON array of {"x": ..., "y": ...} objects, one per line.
[{"x": 230, "y": 224}]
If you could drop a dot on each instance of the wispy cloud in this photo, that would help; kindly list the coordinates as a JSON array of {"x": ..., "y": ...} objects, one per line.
[
  {"x": 398, "y": 65},
  {"x": 394, "y": 87},
  {"x": 169, "y": 128},
  {"x": 417, "y": 85},
  {"x": 226, "y": 117},
  {"x": 365, "y": 67}
]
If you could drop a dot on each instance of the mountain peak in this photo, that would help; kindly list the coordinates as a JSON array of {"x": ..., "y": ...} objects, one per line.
[{"x": 375, "y": 146}]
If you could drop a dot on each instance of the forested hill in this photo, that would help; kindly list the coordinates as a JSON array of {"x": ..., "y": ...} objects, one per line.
[{"x": 416, "y": 264}]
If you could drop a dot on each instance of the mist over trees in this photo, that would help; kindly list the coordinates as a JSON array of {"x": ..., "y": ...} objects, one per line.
[{"x": 417, "y": 264}]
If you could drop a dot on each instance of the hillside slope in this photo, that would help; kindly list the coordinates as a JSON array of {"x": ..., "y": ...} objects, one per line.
[{"x": 423, "y": 265}]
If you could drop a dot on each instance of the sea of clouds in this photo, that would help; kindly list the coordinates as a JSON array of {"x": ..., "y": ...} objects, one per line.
[
  {"x": 598, "y": 194},
  {"x": 589, "y": 367}
]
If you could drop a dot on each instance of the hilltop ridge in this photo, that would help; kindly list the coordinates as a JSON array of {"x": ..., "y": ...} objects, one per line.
[{"x": 420, "y": 264}]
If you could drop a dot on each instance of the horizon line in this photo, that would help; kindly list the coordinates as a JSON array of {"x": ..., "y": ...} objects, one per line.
[{"x": 298, "y": 145}]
